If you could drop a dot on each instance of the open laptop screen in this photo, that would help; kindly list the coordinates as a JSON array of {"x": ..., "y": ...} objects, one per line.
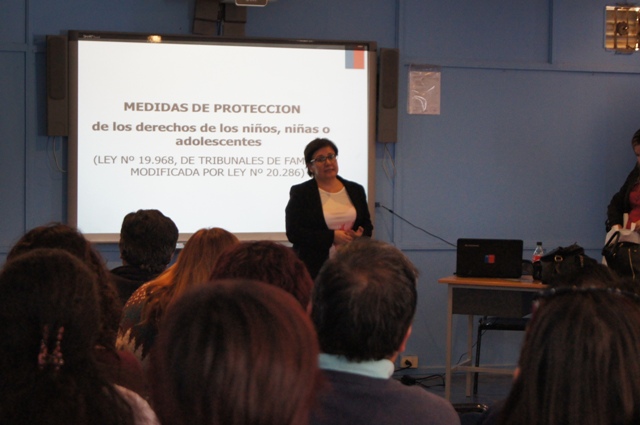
[{"x": 499, "y": 258}]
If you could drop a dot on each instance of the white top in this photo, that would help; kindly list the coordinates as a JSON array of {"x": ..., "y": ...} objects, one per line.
[
  {"x": 382, "y": 369},
  {"x": 339, "y": 212}
]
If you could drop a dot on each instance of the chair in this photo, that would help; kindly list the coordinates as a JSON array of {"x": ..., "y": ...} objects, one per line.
[{"x": 489, "y": 323}]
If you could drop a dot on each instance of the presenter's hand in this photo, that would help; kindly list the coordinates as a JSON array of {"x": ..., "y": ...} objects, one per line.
[
  {"x": 357, "y": 233},
  {"x": 342, "y": 237}
]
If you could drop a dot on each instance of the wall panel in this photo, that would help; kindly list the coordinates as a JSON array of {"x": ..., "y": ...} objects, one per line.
[{"x": 12, "y": 153}]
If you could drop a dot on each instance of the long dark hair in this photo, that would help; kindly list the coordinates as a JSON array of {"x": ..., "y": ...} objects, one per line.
[
  {"x": 50, "y": 323},
  {"x": 67, "y": 238},
  {"x": 579, "y": 362}
]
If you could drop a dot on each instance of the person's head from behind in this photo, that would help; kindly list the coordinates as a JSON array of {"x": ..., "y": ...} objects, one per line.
[
  {"x": 50, "y": 323},
  {"x": 148, "y": 240},
  {"x": 201, "y": 254},
  {"x": 235, "y": 353},
  {"x": 62, "y": 236},
  {"x": 364, "y": 300},
  {"x": 44, "y": 290},
  {"x": 67, "y": 238},
  {"x": 269, "y": 262},
  {"x": 579, "y": 361},
  {"x": 192, "y": 268}
]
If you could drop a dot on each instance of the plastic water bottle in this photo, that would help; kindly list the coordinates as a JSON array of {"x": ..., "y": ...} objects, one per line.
[{"x": 537, "y": 253}]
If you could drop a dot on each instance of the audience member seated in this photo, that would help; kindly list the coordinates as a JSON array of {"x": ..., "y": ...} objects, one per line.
[
  {"x": 269, "y": 262},
  {"x": 147, "y": 242},
  {"x": 363, "y": 303},
  {"x": 144, "y": 310},
  {"x": 121, "y": 367},
  {"x": 235, "y": 352},
  {"x": 578, "y": 363},
  {"x": 50, "y": 326}
]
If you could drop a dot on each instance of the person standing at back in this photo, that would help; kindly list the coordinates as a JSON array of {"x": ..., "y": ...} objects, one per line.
[
  {"x": 147, "y": 242},
  {"x": 627, "y": 199},
  {"x": 363, "y": 303}
]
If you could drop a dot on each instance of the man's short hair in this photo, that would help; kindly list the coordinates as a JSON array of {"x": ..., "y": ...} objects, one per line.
[
  {"x": 148, "y": 240},
  {"x": 364, "y": 301}
]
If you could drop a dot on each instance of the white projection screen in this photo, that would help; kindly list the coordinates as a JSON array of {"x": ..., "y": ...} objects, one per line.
[{"x": 210, "y": 131}]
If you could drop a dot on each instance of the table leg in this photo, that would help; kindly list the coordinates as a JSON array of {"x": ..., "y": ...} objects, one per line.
[
  {"x": 447, "y": 371},
  {"x": 469, "y": 351}
]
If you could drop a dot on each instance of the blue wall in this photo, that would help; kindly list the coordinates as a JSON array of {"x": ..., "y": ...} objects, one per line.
[{"x": 531, "y": 142}]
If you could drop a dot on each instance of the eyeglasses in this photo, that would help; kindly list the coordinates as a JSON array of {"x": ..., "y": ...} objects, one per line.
[{"x": 321, "y": 159}]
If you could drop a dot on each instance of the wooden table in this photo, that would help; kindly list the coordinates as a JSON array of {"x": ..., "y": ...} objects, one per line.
[{"x": 483, "y": 297}]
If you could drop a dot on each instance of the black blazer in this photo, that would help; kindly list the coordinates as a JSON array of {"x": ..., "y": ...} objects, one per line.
[{"x": 306, "y": 227}]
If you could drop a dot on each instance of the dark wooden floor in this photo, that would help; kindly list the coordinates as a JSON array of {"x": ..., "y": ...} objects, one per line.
[{"x": 491, "y": 388}]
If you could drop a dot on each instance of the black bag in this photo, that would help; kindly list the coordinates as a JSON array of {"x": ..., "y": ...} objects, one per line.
[
  {"x": 622, "y": 257},
  {"x": 561, "y": 262}
]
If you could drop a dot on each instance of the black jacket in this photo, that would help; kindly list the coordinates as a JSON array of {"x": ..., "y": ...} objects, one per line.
[
  {"x": 306, "y": 227},
  {"x": 127, "y": 279}
]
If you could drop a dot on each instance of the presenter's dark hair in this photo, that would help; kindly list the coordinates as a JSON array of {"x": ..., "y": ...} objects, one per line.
[
  {"x": 364, "y": 300},
  {"x": 268, "y": 262},
  {"x": 148, "y": 240},
  {"x": 50, "y": 297},
  {"x": 70, "y": 239},
  {"x": 235, "y": 352},
  {"x": 313, "y": 147},
  {"x": 579, "y": 361}
]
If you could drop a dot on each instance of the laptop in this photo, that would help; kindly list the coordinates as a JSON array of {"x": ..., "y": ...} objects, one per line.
[{"x": 499, "y": 258}]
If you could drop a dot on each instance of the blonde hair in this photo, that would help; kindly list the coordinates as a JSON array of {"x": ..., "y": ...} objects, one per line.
[{"x": 193, "y": 267}]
